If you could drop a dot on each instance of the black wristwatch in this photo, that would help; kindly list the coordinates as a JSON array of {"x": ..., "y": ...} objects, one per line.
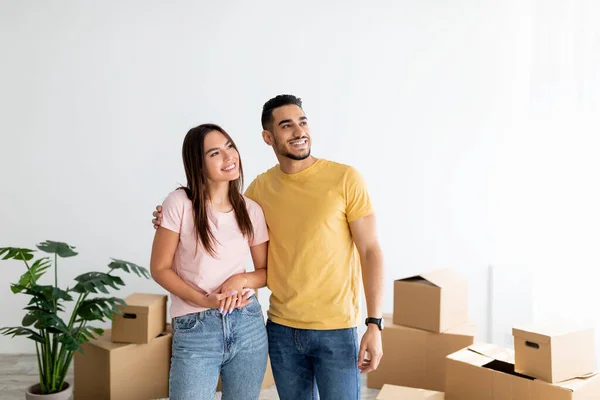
[{"x": 376, "y": 321}]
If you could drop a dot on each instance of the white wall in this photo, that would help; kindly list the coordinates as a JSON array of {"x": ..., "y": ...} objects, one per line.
[{"x": 430, "y": 100}]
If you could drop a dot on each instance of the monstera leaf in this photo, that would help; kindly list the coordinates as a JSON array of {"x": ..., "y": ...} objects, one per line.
[
  {"x": 35, "y": 272},
  {"x": 16, "y": 253},
  {"x": 99, "y": 308},
  {"x": 59, "y": 248},
  {"x": 129, "y": 267},
  {"x": 95, "y": 282},
  {"x": 22, "y": 331}
]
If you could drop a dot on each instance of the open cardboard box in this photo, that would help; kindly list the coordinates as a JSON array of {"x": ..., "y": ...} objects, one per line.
[
  {"x": 485, "y": 371},
  {"x": 434, "y": 301}
]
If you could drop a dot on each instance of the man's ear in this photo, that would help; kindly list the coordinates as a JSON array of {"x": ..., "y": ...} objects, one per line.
[{"x": 268, "y": 138}]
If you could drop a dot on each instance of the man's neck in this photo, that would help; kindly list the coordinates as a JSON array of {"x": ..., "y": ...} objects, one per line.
[{"x": 289, "y": 166}]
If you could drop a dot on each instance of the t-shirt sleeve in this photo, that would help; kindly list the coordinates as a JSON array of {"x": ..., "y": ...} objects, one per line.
[
  {"x": 358, "y": 201},
  {"x": 257, "y": 216},
  {"x": 251, "y": 191},
  {"x": 172, "y": 211}
]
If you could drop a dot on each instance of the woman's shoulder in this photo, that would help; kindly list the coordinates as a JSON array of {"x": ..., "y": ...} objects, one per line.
[
  {"x": 251, "y": 205},
  {"x": 177, "y": 197}
]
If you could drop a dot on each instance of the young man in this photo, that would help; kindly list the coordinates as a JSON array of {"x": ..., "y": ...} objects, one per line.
[{"x": 322, "y": 233}]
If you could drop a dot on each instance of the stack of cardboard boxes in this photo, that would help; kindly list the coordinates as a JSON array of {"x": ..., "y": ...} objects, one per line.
[
  {"x": 548, "y": 363},
  {"x": 132, "y": 360},
  {"x": 430, "y": 321}
]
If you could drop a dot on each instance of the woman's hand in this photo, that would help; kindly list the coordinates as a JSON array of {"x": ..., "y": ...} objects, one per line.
[
  {"x": 215, "y": 299},
  {"x": 234, "y": 283}
]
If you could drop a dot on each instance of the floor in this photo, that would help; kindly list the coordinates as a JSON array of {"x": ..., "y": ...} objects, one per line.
[{"x": 19, "y": 371}]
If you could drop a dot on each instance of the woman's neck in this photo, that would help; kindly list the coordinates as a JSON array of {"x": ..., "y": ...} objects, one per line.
[{"x": 218, "y": 193}]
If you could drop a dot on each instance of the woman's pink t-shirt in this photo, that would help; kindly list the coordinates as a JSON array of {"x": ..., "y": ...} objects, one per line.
[{"x": 193, "y": 263}]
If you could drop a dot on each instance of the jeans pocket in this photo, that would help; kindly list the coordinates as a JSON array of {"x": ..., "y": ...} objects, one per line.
[
  {"x": 253, "y": 308},
  {"x": 187, "y": 322}
]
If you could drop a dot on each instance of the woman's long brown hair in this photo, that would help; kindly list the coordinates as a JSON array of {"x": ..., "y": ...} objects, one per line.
[{"x": 197, "y": 187}]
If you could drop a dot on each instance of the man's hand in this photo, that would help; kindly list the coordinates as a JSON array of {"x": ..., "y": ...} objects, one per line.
[
  {"x": 234, "y": 283},
  {"x": 157, "y": 217},
  {"x": 371, "y": 344}
]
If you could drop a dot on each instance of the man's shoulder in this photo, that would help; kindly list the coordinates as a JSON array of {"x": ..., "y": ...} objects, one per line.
[
  {"x": 339, "y": 169},
  {"x": 266, "y": 175},
  {"x": 256, "y": 187}
]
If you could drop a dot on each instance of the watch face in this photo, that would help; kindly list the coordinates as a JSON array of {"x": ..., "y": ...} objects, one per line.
[{"x": 381, "y": 323}]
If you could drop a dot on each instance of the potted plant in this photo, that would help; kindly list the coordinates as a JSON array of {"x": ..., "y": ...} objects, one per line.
[{"x": 56, "y": 333}]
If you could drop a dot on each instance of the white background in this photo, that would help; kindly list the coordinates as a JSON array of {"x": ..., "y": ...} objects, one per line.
[{"x": 472, "y": 121}]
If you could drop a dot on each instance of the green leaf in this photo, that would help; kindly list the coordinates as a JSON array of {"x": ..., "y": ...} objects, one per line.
[
  {"x": 35, "y": 272},
  {"x": 127, "y": 266},
  {"x": 48, "y": 320},
  {"x": 60, "y": 248},
  {"x": 29, "y": 319},
  {"x": 16, "y": 253},
  {"x": 44, "y": 293},
  {"x": 54, "y": 293},
  {"x": 47, "y": 305},
  {"x": 78, "y": 336},
  {"x": 95, "y": 282},
  {"x": 97, "y": 331},
  {"x": 98, "y": 309},
  {"x": 21, "y": 331},
  {"x": 16, "y": 288}
]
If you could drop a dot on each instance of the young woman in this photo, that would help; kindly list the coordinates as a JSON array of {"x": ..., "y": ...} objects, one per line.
[{"x": 208, "y": 230}]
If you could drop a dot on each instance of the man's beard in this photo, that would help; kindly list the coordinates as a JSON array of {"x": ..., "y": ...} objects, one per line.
[{"x": 282, "y": 151}]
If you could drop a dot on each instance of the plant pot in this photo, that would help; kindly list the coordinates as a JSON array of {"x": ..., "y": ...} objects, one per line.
[{"x": 33, "y": 393}]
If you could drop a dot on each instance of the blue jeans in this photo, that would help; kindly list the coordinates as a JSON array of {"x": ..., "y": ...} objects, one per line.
[
  {"x": 306, "y": 361},
  {"x": 206, "y": 344}
]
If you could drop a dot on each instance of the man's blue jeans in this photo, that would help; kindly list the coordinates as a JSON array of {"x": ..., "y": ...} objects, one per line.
[{"x": 306, "y": 362}]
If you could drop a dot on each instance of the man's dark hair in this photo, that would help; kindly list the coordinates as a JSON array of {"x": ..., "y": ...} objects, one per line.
[{"x": 276, "y": 102}]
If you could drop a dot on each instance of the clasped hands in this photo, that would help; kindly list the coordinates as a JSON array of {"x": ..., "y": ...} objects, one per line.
[{"x": 231, "y": 295}]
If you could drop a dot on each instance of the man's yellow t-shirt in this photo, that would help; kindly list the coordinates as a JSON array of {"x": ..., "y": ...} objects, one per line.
[{"x": 313, "y": 268}]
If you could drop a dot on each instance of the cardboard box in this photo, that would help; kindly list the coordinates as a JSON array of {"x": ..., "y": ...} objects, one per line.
[
  {"x": 417, "y": 358},
  {"x": 554, "y": 353},
  {"x": 486, "y": 371},
  {"x": 435, "y": 301},
  {"x": 122, "y": 371},
  {"x": 268, "y": 380},
  {"x": 144, "y": 318},
  {"x": 391, "y": 392}
]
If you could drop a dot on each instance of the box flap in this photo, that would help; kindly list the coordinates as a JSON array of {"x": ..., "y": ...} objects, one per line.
[
  {"x": 576, "y": 383},
  {"x": 440, "y": 277},
  {"x": 141, "y": 302},
  {"x": 468, "y": 356},
  {"x": 493, "y": 351},
  {"x": 482, "y": 353},
  {"x": 391, "y": 392}
]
